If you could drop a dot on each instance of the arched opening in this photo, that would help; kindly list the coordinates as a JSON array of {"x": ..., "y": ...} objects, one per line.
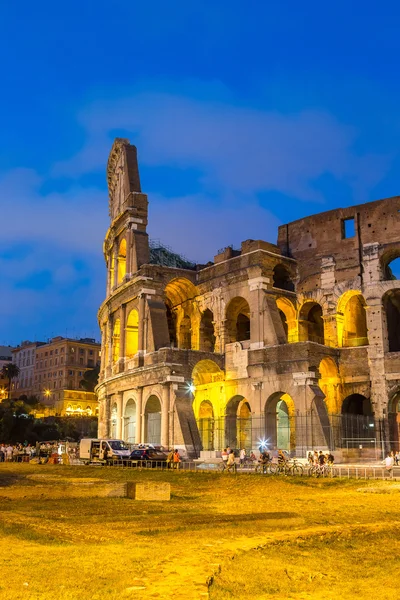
[
  {"x": 207, "y": 337},
  {"x": 112, "y": 271},
  {"x": 121, "y": 261},
  {"x": 287, "y": 314},
  {"x": 152, "y": 421},
  {"x": 171, "y": 321},
  {"x": 238, "y": 433},
  {"x": 279, "y": 422},
  {"x": 206, "y": 425},
  {"x": 357, "y": 419},
  {"x": 391, "y": 266},
  {"x": 311, "y": 324},
  {"x": 391, "y": 305},
  {"x": 394, "y": 420},
  {"x": 238, "y": 320},
  {"x": 132, "y": 333},
  {"x": 282, "y": 279},
  {"x": 116, "y": 340},
  {"x": 330, "y": 384},
  {"x": 130, "y": 422},
  {"x": 353, "y": 329},
  {"x": 113, "y": 423},
  {"x": 185, "y": 333}
]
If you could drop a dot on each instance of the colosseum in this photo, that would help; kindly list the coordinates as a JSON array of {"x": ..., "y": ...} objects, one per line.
[{"x": 295, "y": 344}]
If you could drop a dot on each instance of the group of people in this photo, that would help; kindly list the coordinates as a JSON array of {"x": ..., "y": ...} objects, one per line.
[
  {"x": 17, "y": 452},
  {"x": 173, "y": 459},
  {"x": 320, "y": 458}
]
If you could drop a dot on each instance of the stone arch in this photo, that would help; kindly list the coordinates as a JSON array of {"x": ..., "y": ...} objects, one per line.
[
  {"x": 357, "y": 419},
  {"x": 180, "y": 294},
  {"x": 279, "y": 422},
  {"x": 116, "y": 340},
  {"x": 132, "y": 333},
  {"x": 113, "y": 420},
  {"x": 185, "y": 333},
  {"x": 330, "y": 384},
  {"x": 287, "y": 313},
  {"x": 391, "y": 305},
  {"x": 238, "y": 423},
  {"x": 311, "y": 324},
  {"x": 237, "y": 316},
  {"x": 390, "y": 265},
  {"x": 282, "y": 278},
  {"x": 394, "y": 418},
  {"x": 130, "y": 420},
  {"x": 152, "y": 420},
  {"x": 205, "y": 424},
  {"x": 180, "y": 290},
  {"x": 205, "y": 372},
  {"x": 207, "y": 336},
  {"x": 171, "y": 322},
  {"x": 351, "y": 319},
  {"x": 121, "y": 261}
]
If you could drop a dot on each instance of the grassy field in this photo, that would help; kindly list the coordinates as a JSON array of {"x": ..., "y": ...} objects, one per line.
[{"x": 248, "y": 536}]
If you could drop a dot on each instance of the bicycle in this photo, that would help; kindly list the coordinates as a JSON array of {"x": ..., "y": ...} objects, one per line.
[
  {"x": 321, "y": 471},
  {"x": 295, "y": 468},
  {"x": 224, "y": 468},
  {"x": 266, "y": 468}
]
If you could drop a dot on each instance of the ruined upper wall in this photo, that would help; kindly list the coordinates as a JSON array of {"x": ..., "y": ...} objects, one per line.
[{"x": 323, "y": 235}]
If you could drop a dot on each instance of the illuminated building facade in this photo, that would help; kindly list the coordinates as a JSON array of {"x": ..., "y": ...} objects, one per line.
[
  {"x": 24, "y": 356},
  {"x": 296, "y": 343},
  {"x": 5, "y": 358}
]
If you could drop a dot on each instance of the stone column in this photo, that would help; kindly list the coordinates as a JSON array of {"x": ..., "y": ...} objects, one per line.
[
  {"x": 378, "y": 344},
  {"x": 103, "y": 349},
  {"x": 107, "y": 417},
  {"x": 115, "y": 265},
  {"x": 129, "y": 250},
  {"x": 330, "y": 330},
  {"x": 139, "y": 416},
  {"x": 122, "y": 338},
  {"x": 165, "y": 415},
  {"x": 142, "y": 310},
  {"x": 108, "y": 357},
  {"x": 118, "y": 398}
]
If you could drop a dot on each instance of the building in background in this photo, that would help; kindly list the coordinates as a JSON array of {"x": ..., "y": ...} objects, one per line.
[
  {"x": 24, "y": 356},
  {"x": 294, "y": 344},
  {"x": 5, "y": 358}
]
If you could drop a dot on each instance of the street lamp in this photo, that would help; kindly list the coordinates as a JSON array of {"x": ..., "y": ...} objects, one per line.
[{"x": 47, "y": 393}]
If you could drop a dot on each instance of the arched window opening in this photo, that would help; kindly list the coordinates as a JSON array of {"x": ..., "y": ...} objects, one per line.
[
  {"x": 121, "y": 261},
  {"x": 391, "y": 304},
  {"x": 279, "y": 423},
  {"x": 284, "y": 323},
  {"x": 311, "y": 324},
  {"x": 329, "y": 384},
  {"x": 357, "y": 419},
  {"x": 207, "y": 337},
  {"x": 281, "y": 279},
  {"x": 112, "y": 270},
  {"x": 132, "y": 333},
  {"x": 116, "y": 340},
  {"x": 394, "y": 419},
  {"x": 238, "y": 320},
  {"x": 130, "y": 422},
  {"x": 171, "y": 321},
  {"x": 152, "y": 421},
  {"x": 114, "y": 416},
  {"x": 355, "y": 332},
  {"x": 185, "y": 333},
  {"x": 206, "y": 425},
  {"x": 238, "y": 424},
  {"x": 391, "y": 269}
]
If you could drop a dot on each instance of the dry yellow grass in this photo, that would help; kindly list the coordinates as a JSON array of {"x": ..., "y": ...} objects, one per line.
[{"x": 308, "y": 533}]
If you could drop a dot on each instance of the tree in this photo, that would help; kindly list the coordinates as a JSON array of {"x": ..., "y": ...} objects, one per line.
[
  {"x": 10, "y": 371},
  {"x": 90, "y": 379}
]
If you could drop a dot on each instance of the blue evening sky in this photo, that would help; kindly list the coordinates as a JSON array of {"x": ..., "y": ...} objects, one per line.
[{"x": 246, "y": 115}]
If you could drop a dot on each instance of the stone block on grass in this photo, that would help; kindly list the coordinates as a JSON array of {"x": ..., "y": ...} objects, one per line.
[{"x": 149, "y": 491}]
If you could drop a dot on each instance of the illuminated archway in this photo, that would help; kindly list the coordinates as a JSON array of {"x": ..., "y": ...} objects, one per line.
[
  {"x": 171, "y": 322},
  {"x": 394, "y": 419},
  {"x": 351, "y": 320},
  {"x": 205, "y": 424},
  {"x": 132, "y": 333},
  {"x": 152, "y": 421},
  {"x": 311, "y": 324},
  {"x": 207, "y": 337},
  {"x": 238, "y": 320},
  {"x": 357, "y": 419},
  {"x": 130, "y": 421},
  {"x": 279, "y": 422},
  {"x": 116, "y": 340},
  {"x": 330, "y": 384},
  {"x": 282, "y": 279},
  {"x": 391, "y": 305},
  {"x": 185, "y": 333},
  {"x": 238, "y": 421},
  {"x": 287, "y": 314},
  {"x": 121, "y": 260}
]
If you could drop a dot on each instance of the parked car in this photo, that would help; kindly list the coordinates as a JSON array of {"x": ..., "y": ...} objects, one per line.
[{"x": 149, "y": 457}]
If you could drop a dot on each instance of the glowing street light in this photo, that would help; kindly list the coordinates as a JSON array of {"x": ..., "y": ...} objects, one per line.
[
  {"x": 191, "y": 388},
  {"x": 47, "y": 393}
]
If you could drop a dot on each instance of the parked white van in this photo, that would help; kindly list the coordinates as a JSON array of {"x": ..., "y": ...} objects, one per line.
[{"x": 100, "y": 451}]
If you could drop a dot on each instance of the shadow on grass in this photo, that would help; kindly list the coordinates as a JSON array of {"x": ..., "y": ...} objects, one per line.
[{"x": 22, "y": 532}]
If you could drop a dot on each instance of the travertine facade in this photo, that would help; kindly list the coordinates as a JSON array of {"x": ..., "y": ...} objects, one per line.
[{"x": 296, "y": 343}]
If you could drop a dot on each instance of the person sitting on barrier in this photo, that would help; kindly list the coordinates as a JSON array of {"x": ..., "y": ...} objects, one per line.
[
  {"x": 281, "y": 458},
  {"x": 230, "y": 463},
  {"x": 253, "y": 456},
  {"x": 310, "y": 458},
  {"x": 330, "y": 459},
  {"x": 264, "y": 459},
  {"x": 321, "y": 458}
]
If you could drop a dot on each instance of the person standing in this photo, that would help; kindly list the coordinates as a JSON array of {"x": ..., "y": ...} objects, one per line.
[
  {"x": 176, "y": 459},
  {"x": 224, "y": 456},
  {"x": 242, "y": 456},
  {"x": 389, "y": 461},
  {"x": 230, "y": 463},
  {"x": 170, "y": 459}
]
